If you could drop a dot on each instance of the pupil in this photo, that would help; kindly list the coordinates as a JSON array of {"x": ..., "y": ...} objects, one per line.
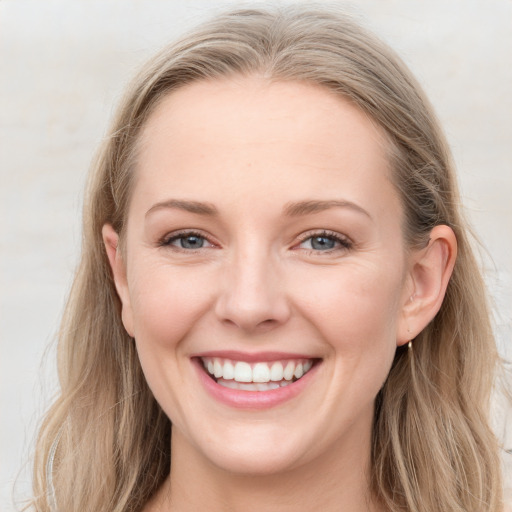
[
  {"x": 192, "y": 242},
  {"x": 322, "y": 243}
]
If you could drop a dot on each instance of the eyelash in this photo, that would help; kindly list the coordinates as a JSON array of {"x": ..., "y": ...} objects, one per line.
[
  {"x": 173, "y": 237},
  {"x": 344, "y": 242}
]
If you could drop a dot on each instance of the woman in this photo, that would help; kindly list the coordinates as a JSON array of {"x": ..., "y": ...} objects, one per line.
[{"x": 277, "y": 306}]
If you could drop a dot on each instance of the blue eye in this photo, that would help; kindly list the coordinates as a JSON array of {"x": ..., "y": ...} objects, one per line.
[
  {"x": 187, "y": 241},
  {"x": 325, "y": 242},
  {"x": 190, "y": 242},
  {"x": 322, "y": 243}
]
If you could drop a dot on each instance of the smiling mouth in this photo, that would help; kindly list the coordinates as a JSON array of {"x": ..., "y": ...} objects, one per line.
[{"x": 257, "y": 376}]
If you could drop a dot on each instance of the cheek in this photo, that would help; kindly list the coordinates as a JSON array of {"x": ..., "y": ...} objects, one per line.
[
  {"x": 355, "y": 308},
  {"x": 166, "y": 303}
]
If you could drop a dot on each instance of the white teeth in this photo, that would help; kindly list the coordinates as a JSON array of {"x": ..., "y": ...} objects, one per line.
[
  {"x": 243, "y": 372},
  {"x": 249, "y": 386},
  {"x": 229, "y": 370},
  {"x": 289, "y": 371},
  {"x": 217, "y": 368},
  {"x": 270, "y": 375},
  {"x": 266, "y": 386},
  {"x": 233, "y": 384},
  {"x": 261, "y": 372},
  {"x": 276, "y": 372}
]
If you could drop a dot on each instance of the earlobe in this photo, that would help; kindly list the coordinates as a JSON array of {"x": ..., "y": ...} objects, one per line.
[
  {"x": 117, "y": 264},
  {"x": 429, "y": 275}
]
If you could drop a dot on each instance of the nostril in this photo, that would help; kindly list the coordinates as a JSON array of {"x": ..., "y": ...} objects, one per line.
[
  {"x": 264, "y": 325},
  {"x": 268, "y": 323}
]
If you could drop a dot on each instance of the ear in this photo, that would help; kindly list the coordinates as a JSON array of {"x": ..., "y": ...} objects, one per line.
[
  {"x": 429, "y": 274},
  {"x": 111, "y": 241}
]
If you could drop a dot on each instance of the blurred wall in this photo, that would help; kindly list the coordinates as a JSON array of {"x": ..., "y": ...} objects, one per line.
[{"x": 63, "y": 65}]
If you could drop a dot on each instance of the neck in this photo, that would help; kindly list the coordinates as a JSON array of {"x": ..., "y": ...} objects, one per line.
[{"x": 336, "y": 481}]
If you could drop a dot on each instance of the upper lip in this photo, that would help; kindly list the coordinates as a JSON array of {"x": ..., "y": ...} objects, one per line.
[{"x": 249, "y": 357}]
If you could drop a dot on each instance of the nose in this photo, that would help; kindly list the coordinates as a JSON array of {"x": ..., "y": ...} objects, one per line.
[{"x": 253, "y": 294}]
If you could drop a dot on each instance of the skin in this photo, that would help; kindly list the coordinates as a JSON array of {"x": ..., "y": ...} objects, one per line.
[{"x": 249, "y": 149}]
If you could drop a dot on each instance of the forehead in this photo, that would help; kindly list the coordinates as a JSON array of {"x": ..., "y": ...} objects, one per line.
[{"x": 263, "y": 139}]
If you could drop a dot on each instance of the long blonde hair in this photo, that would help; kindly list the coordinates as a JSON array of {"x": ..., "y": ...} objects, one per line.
[{"x": 105, "y": 442}]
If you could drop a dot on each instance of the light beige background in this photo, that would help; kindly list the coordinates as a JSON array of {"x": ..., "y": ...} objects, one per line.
[{"x": 62, "y": 67}]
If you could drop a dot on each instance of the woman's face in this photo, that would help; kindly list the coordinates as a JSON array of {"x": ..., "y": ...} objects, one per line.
[{"x": 264, "y": 240}]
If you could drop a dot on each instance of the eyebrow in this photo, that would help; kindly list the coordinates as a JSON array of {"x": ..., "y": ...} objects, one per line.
[
  {"x": 307, "y": 207},
  {"x": 188, "y": 206},
  {"x": 295, "y": 209}
]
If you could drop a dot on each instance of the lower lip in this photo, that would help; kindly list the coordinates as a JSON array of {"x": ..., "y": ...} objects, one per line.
[{"x": 253, "y": 399}]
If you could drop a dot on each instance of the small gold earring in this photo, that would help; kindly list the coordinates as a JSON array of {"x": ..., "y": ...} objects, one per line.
[{"x": 409, "y": 345}]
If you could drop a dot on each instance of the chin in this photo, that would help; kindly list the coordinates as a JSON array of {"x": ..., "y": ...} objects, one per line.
[
  {"x": 253, "y": 451},
  {"x": 251, "y": 462}
]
